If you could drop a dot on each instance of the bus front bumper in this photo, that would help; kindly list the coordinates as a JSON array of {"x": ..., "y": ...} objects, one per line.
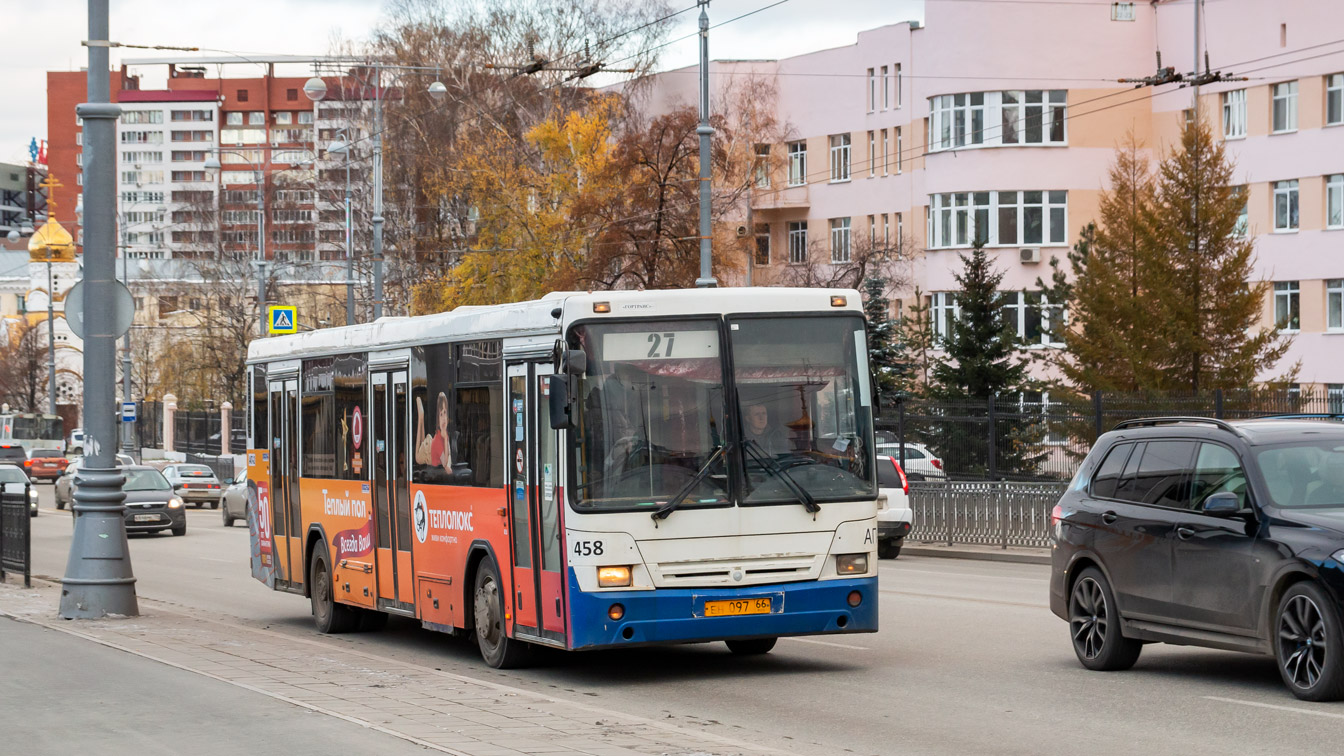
[{"x": 678, "y": 615}]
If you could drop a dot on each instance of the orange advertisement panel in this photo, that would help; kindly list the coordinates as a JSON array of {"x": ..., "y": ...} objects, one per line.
[
  {"x": 447, "y": 520},
  {"x": 259, "y": 521},
  {"x": 343, "y": 509}
]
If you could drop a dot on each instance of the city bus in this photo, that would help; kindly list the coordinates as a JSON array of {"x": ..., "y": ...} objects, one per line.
[
  {"x": 32, "y": 431},
  {"x": 583, "y": 471}
]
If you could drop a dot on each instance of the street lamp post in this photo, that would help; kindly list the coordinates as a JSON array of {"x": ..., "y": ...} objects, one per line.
[{"x": 343, "y": 148}]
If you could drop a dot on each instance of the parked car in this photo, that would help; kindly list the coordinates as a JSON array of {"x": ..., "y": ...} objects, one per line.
[
  {"x": 65, "y": 485},
  {"x": 920, "y": 461},
  {"x": 46, "y": 464},
  {"x": 196, "y": 484},
  {"x": 893, "y": 523},
  {"x": 151, "y": 503},
  {"x": 1206, "y": 533},
  {"x": 13, "y": 454},
  {"x": 234, "y": 500},
  {"x": 14, "y": 479},
  {"x": 75, "y": 444}
]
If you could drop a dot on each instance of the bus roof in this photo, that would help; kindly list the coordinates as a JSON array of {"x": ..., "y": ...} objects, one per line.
[{"x": 536, "y": 318}]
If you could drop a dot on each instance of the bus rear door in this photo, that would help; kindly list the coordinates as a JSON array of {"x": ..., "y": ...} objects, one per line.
[
  {"x": 284, "y": 448},
  {"x": 534, "y": 507}
]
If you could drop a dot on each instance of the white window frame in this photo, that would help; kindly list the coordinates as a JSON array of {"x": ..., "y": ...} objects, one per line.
[
  {"x": 872, "y": 154},
  {"x": 872, "y": 91},
  {"x": 1234, "y": 114},
  {"x": 900, "y": 228},
  {"x": 841, "y": 240},
  {"x": 1243, "y": 227},
  {"x": 797, "y": 163},
  {"x": 900, "y": 158},
  {"x": 886, "y": 151},
  {"x": 1334, "y": 398},
  {"x": 797, "y": 242},
  {"x": 1334, "y": 305},
  {"x": 1334, "y": 96},
  {"x": 997, "y": 119},
  {"x": 1285, "y": 195},
  {"x": 1287, "y": 299},
  {"x": 1023, "y": 303},
  {"x": 943, "y": 311},
  {"x": 886, "y": 88},
  {"x": 1334, "y": 201},
  {"x": 956, "y": 218},
  {"x": 762, "y": 166},
  {"x": 1284, "y": 93},
  {"x": 900, "y": 95},
  {"x": 762, "y": 231},
  {"x": 840, "y": 166},
  {"x": 886, "y": 231}
]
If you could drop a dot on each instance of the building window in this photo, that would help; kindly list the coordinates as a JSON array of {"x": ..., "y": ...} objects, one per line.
[
  {"x": 840, "y": 238},
  {"x": 193, "y": 136},
  {"x": 284, "y": 119},
  {"x": 885, "y": 152},
  {"x": 192, "y": 115},
  {"x": 1334, "y": 99},
  {"x": 762, "y": 244},
  {"x": 872, "y": 91},
  {"x": 886, "y": 231},
  {"x": 900, "y": 229},
  {"x": 872, "y": 232},
  {"x": 233, "y": 119},
  {"x": 141, "y": 116},
  {"x": 305, "y": 116},
  {"x": 997, "y": 218},
  {"x": 943, "y": 312},
  {"x": 762, "y": 166},
  {"x": 291, "y": 94},
  {"x": 256, "y": 118},
  {"x": 840, "y": 157},
  {"x": 142, "y": 137},
  {"x": 886, "y": 88},
  {"x": 872, "y": 154},
  {"x": 1285, "y": 107},
  {"x": 1243, "y": 227},
  {"x": 898, "y": 86},
  {"x": 1234, "y": 114},
  {"x": 1032, "y": 316},
  {"x": 1285, "y": 205},
  {"x": 900, "y": 157},
  {"x": 1334, "y": 304},
  {"x": 797, "y": 163},
  {"x": 241, "y": 95},
  {"x": 1287, "y": 315},
  {"x": 797, "y": 242},
  {"x": 1026, "y": 117},
  {"x": 1334, "y": 201}
]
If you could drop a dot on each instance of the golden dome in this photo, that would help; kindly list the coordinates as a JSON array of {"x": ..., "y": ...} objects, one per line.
[{"x": 51, "y": 242}]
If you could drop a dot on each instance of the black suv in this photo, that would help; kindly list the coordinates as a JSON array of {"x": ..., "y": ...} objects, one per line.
[{"x": 1206, "y": 533}]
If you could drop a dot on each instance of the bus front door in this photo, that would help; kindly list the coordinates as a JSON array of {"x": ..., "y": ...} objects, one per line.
[
  {"x": 390, "y": 492},
  {"x": 534, "y": 507},
  {"x": 283, "y": 446}
]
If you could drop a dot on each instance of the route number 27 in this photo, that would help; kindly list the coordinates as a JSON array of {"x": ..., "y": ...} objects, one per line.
[
  {"x": 588, "y": 548},
  {"x": 656, "y": 341}
]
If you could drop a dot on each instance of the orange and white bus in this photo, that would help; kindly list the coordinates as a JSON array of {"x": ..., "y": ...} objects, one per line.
[{"x": 587, "y": 470}]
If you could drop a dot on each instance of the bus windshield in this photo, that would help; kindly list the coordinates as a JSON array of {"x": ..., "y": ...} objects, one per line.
[{"x": 651, "y": 413}]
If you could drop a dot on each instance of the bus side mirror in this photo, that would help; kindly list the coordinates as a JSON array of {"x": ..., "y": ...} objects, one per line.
[
  {"x": 573, "y": 362},
  {"x": 561, "y": 407}
]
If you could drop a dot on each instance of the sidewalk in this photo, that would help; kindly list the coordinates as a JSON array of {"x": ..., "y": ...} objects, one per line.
[
  {"x": 1021, "y": 555},
  {"x": 435, "y": 710}
]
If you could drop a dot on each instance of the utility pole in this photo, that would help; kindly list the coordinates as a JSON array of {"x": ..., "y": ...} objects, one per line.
[
  {"x": 706, "y": 279},
  {"x": 98, "y": 579},
  {"x": 349, "y": 237},
  {"x": 377, "y": 192},
  {"x": 51, "y": 341},
  {"x": 261, "y": 297},
  {"x": 127, "y": 429}
]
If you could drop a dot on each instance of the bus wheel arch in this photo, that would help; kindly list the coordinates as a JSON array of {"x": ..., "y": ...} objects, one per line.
[
  {"x": 477, "y": 554},
  {"x": 315, "y": 539}
]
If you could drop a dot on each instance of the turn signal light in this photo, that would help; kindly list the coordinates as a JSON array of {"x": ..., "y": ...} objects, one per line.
[
  {"x": 616, "y": 611},
  {"x": 601, "y": 306},
  {"x": 838, "y": 301},
  {"x": 613, "y": 577},
  {"x": 855, "y": 598}
]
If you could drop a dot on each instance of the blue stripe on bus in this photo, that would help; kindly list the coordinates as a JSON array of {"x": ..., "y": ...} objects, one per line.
[{"x": 669, "y": 615}]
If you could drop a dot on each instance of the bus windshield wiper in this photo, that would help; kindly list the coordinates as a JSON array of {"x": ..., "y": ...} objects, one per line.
[
  {"x": 697, "y": 479},
  {"x": 766, "y": 461}
]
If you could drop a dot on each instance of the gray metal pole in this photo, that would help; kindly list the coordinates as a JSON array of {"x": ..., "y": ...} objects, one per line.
[
  {"x": 1195, "y": 88},
  {"x": 127, "y": 429},
  {"x": 98, "y": 579},
  {"x": 349, "y": 254},
  {"x": 377, "y": 193},
  {"x": 706, "y": 278},
  {"x": 261, "y": 297},
  {"x": 51, "y": 341}
]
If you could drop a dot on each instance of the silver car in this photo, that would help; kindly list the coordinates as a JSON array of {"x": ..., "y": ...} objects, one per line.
[
  {"x": 65, "y": 485},
  {"x": 13, "y": 478},
  {"x": 196, "y": 484},
  {"x": 235, "y": 500}
]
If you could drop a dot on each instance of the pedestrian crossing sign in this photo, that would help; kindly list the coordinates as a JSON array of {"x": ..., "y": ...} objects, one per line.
[{"x": 284, "y": 319}]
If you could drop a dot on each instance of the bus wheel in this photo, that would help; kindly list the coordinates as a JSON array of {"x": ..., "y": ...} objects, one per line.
[
  {"x": 497, "y": 648},
  {"x": 751, "y": 646},
  {"x": 330, "y": 616}
]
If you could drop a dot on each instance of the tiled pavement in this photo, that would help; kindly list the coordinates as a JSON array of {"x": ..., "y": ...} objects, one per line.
[{"x": 438, "y": 710}]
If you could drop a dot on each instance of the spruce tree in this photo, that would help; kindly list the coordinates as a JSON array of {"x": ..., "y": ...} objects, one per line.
[{"x": 884, "y": 358}]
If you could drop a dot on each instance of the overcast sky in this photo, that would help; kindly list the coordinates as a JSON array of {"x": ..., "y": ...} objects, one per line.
[{"x": 45, "y": 36}]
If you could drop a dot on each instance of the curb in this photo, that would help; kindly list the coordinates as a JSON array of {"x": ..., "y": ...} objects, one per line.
[{"x": 983, "y": 556}]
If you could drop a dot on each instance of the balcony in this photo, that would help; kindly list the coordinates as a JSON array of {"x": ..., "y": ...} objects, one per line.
[{"x": 780, "y": 197}]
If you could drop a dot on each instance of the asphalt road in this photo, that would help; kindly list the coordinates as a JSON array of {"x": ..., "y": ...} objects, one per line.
[{"x": 969, "y": 661}]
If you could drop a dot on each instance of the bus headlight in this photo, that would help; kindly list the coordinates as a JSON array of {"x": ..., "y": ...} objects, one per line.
[
  {"x": 174, "y": 503},
  {"x": 851, "y": 564},
  {"x": 613, "y": 577}
]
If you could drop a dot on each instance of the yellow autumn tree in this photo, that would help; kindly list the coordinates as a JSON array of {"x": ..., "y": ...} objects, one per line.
[{"x": 535, "y": 205}]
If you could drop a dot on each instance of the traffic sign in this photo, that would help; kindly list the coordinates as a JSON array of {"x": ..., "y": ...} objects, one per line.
[
  {"x": 283, "y": 319},
  {"x": 128, "y": 412},
  {"x": 123, "y": 309}
]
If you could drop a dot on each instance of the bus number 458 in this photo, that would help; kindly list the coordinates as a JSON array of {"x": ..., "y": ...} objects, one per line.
[{"x": 588, "y": 548}]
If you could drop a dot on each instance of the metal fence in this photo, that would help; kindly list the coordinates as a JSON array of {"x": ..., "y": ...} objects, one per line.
[
  {"x": 16, "y": 535},
  {"x": 149, "y": 425},
  {"x": 1043, "y": 437},
  {"x": 238, "y": 432},
  {"x": 197, "y": 432},
  {"x": 985, "y": 513}
]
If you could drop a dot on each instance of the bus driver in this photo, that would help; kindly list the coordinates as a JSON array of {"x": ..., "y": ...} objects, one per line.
[{"x": 757, "y": 428}]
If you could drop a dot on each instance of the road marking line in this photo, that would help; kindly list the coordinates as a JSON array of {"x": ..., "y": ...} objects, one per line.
[
  {"x": 828, "y": 643},
  {"x": 965, "y": 598},
  {"x": 1276, "y": 707}
]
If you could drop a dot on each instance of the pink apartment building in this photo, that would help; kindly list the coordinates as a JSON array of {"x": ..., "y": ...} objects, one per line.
[{"x": 1003, "y": 117}]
